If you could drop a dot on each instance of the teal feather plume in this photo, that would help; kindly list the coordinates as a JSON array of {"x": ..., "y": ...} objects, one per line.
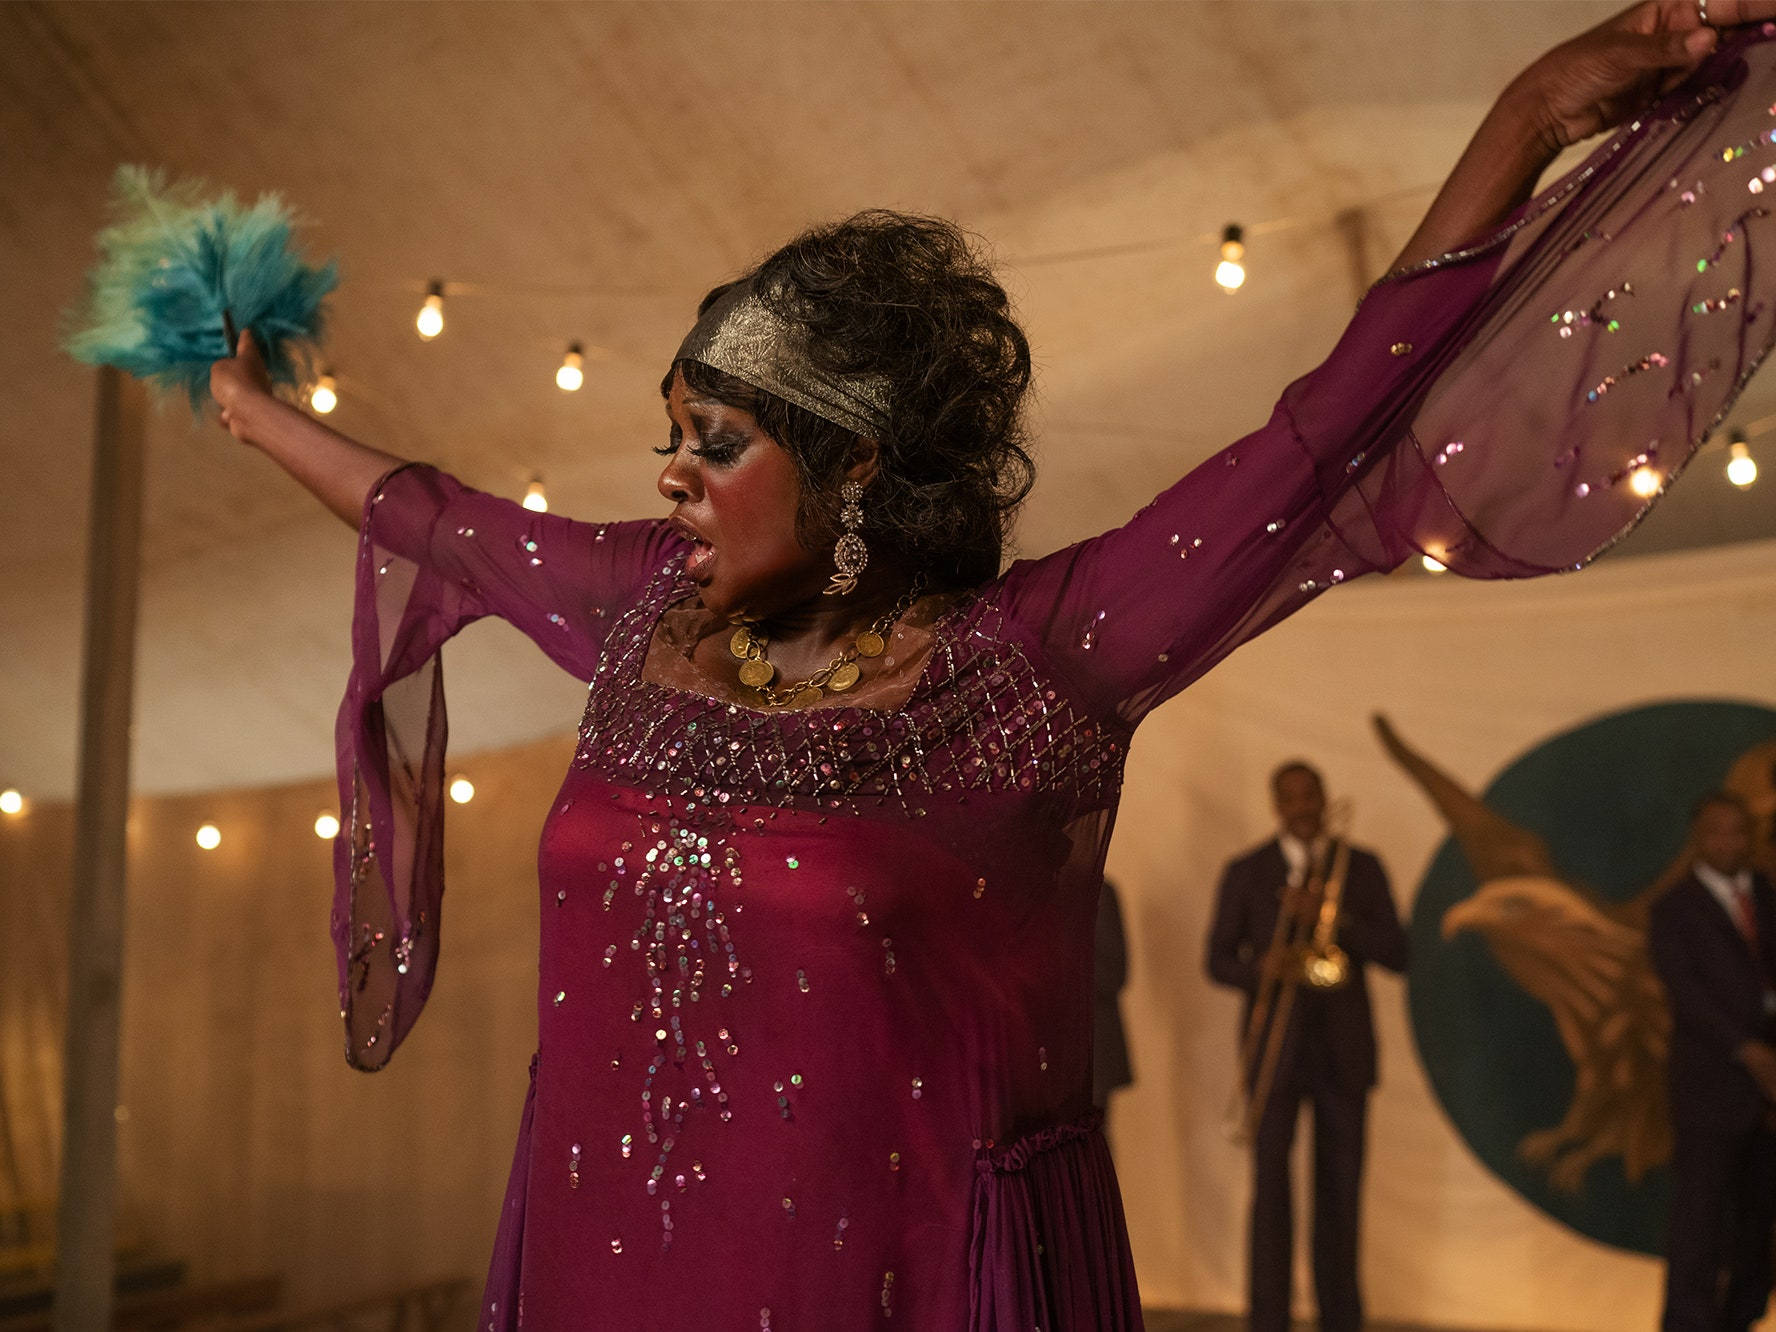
[{"x": 173, "y": 264}]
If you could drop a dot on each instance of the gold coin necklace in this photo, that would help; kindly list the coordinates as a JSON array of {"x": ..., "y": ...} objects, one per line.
[{"x": 750, "y": 643}]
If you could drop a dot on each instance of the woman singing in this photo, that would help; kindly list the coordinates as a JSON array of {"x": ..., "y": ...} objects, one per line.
[{"x": 817, "y": 891}]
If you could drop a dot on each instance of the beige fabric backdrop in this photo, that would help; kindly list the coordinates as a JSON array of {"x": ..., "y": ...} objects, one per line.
[
  {"x": 1474, "y": 674},
  {"x": 248, "y": 1146}
]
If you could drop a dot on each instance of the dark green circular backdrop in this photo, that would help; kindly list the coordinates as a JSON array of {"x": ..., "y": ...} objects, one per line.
[{"x": 1612, "y": 798}]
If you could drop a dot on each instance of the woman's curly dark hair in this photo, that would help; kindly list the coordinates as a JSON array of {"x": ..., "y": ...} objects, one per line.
[{"x": 908, "y": 299}]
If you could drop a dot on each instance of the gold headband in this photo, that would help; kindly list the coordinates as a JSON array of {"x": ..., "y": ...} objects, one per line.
[{"x": 741, "y": 335}]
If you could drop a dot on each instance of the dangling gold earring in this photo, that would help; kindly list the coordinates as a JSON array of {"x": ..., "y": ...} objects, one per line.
[{"x": 850, "y": 555}]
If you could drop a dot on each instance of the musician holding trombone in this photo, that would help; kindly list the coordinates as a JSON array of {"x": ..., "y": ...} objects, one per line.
[{"x": 1297, "y": 920}]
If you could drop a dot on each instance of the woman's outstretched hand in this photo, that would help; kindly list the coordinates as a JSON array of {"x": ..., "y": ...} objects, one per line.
[
  {"x": 337, "y": 470},
  {"x": 239, "y": 382},
  {"x": 1580, "y": 88},
  {"x": 1601, "y": 77}
]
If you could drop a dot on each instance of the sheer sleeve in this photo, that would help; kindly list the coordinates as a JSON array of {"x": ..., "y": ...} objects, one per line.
[
  {"x": 433, "y": 556},
  {"x": 1511, "y": 410}
]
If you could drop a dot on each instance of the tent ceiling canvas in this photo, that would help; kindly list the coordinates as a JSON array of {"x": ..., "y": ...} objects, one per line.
[{"x": 583, "y": 172}]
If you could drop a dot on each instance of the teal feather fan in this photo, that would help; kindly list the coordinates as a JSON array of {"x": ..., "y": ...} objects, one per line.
[{"x": 177, "y": 273}]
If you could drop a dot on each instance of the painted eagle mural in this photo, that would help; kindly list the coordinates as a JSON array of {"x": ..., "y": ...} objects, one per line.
[{"x": 1585, "y": 959}]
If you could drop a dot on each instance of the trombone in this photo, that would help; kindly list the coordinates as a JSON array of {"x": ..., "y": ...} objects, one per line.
[{"x": 1301, "y": 953}]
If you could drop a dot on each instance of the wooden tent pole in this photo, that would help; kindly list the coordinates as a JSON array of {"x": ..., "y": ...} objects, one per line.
[
  {"x": 1353, "y": 226},
  {"x": 87, "y": 1206}
]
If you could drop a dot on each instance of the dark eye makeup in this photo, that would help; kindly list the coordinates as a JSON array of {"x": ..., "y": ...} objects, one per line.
[{"x": 718, "y": 447}]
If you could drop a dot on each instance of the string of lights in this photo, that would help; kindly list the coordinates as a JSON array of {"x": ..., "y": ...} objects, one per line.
[
  {"x": 208, "y": 835},
  {"x": 1229, "y": 272}
]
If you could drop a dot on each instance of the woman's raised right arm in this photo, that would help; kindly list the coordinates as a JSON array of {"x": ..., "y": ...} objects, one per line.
[{"x": 334, "y": 468}]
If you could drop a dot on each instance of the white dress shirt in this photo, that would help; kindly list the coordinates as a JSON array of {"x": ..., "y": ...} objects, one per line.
[{"x": 1301, "y": 856}]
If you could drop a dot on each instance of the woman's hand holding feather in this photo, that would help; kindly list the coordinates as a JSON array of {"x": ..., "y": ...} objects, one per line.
[{"x": 239, "y": 384}]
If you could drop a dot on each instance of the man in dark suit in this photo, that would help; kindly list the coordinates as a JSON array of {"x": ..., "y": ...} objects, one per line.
[
  {"x": 1326, "y": 1054},
  {"x": 1713, "y": 940}
]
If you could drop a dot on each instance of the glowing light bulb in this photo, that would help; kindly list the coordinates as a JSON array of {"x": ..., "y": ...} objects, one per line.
[
  {"x": 1645, "y": 481},
  {"x": 462, "y": 790},
  {"x": 1230, "y": 273},
  {"x": 325, "y": 396},
  {"x": 11, "y": 802},
  {"x": 326, "y": 827},
  {"x": 209, "y": 837},
  {"x": 571, "y": 374},
  {"x": 431, "y": 315},
  {"x": 1432, "y": 564},
  {"x": 1741, "y": 466},
  {"x": 534, "y": 499}
]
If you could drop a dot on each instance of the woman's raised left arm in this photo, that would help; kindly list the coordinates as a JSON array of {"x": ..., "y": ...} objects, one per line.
[
  {"x": 1582, "y": 87},
  {"x": 1338, "y": 483}
]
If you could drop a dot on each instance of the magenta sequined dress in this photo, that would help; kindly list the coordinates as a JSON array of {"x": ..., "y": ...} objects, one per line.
[{"x": 814, "y": 993}]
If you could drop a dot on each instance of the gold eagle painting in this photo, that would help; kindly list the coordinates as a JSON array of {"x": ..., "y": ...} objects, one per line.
[{"x": 1584, "y": 958}]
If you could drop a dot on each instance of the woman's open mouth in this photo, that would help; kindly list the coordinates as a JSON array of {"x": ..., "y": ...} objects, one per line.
[
  {"x": 702, "y": 554},
  {"x": 700, "y": 561}
]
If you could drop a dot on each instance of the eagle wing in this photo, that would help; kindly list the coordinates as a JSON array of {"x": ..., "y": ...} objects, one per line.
[
  {"x": 1593, "y": 973},
  {"x": 1494, "y": 846}
]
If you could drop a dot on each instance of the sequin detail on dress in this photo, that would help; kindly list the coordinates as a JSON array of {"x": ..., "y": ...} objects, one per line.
[{"x": 687, "y": 881}]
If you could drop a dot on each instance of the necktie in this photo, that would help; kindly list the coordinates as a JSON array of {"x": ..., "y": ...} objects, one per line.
[{"x": 1747, "y": 916}]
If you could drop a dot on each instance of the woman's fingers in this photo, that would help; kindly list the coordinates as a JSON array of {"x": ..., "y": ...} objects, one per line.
[
  {"x": 246, "y": 351},
  {"x": 1637, "y": 54},
  {"x": 248, "y": 362},
  {"x": 1655, "y": 16},
  {"x": 1683, "y": 15},
  {"x": 1599, "y": 78},
  {"x": 234, "y": 379},
  {"x": 1727, "y": 13}
]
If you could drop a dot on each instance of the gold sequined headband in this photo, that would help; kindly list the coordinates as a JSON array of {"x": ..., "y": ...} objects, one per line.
[{"x": 741, "y": 335}]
